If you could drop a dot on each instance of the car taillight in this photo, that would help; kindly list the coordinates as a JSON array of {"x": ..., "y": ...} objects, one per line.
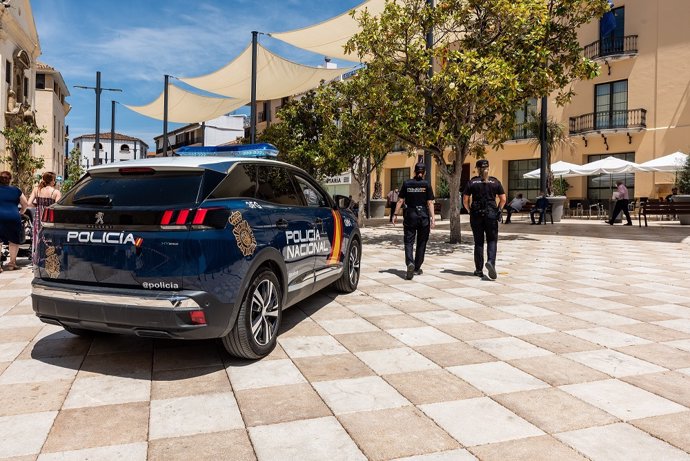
[
  {"x": 185, "y": 217},
  {"x": 182, "y": 217},
  {"x": 48, "y": 216},
  {"x": 199, "y": 216}
]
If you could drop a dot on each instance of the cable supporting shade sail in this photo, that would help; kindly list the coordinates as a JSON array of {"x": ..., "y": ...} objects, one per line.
[
  {"x": 187, "y": 107},
  {"x": 329, "y": 37},
  {"x": 276, "y": 77}
]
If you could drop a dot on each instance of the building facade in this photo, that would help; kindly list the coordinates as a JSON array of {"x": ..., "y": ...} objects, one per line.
[
  {"x": 125, "y": 148},
  {"x": 219, "y": 131},
  {"x": 51, "y": 110}
]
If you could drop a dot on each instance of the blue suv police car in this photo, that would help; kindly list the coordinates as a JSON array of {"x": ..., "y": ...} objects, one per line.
[{"x": 214, "y": 243}]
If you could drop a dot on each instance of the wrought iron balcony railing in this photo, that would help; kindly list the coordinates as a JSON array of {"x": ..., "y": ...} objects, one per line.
[
  {"x": 610, "y": 120},
  {"x": 611, "y": 47},
  {"x": 521, "y": 131}
]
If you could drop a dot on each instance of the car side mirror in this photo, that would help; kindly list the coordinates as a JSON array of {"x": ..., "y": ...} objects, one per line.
[{"x": 341, "y": 201}]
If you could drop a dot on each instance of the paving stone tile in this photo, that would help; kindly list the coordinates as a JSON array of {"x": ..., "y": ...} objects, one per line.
[
  {"x": 332, "y": 367},
  {"x": 620, "y": 441},
  {"x": 563, "y": 306},
  {"x": 344, "y": 326},
  {"x": 677, "y": 324},
  {"x": 603, "y": 318},
  {"x": 483, "y": 314},
  {"x": 34, "y": 398},
  {"x": 388, "y": 322},
  {"x": 359, "y": 394},
  {"x": 471, "y": 331},
  {"x": 130, "y": 451},
  {"x": 136, "y": 364},
  {"x": 497, "y": 378},
  {"x": 91, "y": 427},
  {"x": 557, "y": 370},
  {"x": 203, "y": 447},
  {"x": 560, "y": 343},
  {"x": 683, "y": 345},
  {"x": 669, "y": 384},
  {"x": 107, "y": 390},
  {"x": 311, "y": 439},
  {"x": 22, "y": 334},
  {"x": 309, "y": 346},
  {"x": 644, "y": 314},
  {"x": 451, "y": 455},
  {"x": 445, "y": 317},
  {"x": 653, "y": 332},
  {"x": 182, "y": 416},
  {"x": 453, "y": 354},
  {"x": 525, "y": 310},
  {"x": 421, "y": 336},
  {"x": 279, "y": 404},
  {"x": 47, "y": 348},
  {"x": 10, "y": 351},
  {"x": 553, "y": 410},
  {"x": 254, "y": 375},
  {"x": 36, "y": 371},
  {"x": 484, "y": 421},
  {"x": 195, "y": 355},
  {"x": 112, "y": 344},
  {"x": 373, "y": 309},
  {"x": 673, "y": 429},
  {"x": 398, "y": 360},
  {"x": 392, "y": 433},
  {"x": 18, "y": 321},
  {"x": 431, "y": 386},
  {"x": 376, "y": 340},
  {"x": 24, "y": 434},
  {"x": 518, "y": 327},
  {"x": 509, "y": 348},
  {"x": 660, "y": 354},
  {"x": 544, "y": 448},
  {"x": 672, "y": 310},
  {"x": 614, "y": 363},
  {"x": 305, "y": 327},
  {"x": 561, "y": 322},
  {"x": 185, "y": 382},
  {"x": 607, "y": 337},
  {"x": 622, "y": 400}
]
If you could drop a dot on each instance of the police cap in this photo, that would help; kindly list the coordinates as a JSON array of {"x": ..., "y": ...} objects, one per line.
[
  {"x": 483, "y": 163},
  {"x": 419, "y": 167}
]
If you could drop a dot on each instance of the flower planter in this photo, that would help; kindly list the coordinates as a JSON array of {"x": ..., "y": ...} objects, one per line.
[
  {"x": 557, "y": 203},
  {"x": 378, "y": 208}
]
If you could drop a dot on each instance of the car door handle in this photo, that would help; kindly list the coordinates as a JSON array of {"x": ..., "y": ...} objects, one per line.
[
  {"x": 318, "y": 221},
  {"x": 281, "y": 224}
]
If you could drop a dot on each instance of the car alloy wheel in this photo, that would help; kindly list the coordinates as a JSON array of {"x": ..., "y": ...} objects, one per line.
[
  {"x": 353, "y": 266},
  {"x": 264, "y": 312}
]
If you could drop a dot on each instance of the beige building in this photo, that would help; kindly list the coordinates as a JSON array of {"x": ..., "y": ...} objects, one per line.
[
  {"x": 637, "y": 109},
  {"x": 51, "y": 110}
]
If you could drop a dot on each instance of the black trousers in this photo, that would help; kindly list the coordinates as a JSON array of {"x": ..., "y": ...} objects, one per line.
[
  {"x": 621, "y": 205},
  {"x": 484, "y": 226},
  {"x": 415, "y": 226}
]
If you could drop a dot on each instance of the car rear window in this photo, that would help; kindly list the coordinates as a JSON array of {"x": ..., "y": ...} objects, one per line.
[{"x": 161, "y": 188}]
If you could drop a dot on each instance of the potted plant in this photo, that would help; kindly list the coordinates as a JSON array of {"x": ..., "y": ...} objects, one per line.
[
  {"x": 683, "y": 185},
  {"x": 443, "y": 197}
]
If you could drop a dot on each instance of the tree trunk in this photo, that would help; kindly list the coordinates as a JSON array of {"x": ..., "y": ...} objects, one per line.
[
  {"x": 362, "y": 204},
  {"x": 455, "y": 205}
]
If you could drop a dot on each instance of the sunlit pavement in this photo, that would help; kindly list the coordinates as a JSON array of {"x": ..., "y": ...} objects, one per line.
[{"x": 580, "y": 349}]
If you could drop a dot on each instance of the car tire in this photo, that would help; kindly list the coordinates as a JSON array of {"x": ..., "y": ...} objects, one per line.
[
  {"x": 256, "y": 329},
  {"x": 348, "y": 281}
]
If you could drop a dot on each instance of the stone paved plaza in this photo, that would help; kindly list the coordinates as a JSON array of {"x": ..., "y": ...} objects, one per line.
[{"x": 580, "y": 350}]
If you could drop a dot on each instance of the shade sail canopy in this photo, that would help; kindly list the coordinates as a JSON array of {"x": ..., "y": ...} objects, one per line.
[
  {"x": 669, "y": 163},
  {"x": 329, "y": 37},
  {"x": 187, "y": 107},
  {"x": 608, "y": 165},
  {"x": 561, "y": 169},
  {"x": 276, "y": 77}
]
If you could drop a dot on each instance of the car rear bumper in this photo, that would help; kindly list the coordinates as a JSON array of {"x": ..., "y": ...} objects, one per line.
[{"x": 143, "y": 313}]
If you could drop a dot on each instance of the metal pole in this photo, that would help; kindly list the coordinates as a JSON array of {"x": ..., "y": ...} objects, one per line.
[
  {"x": 543, "y": 160},
  {"x": 368, "y": 207},
  {"x": 252, "y": 129},
  {"x": 429, "y": 110},
  {"x": 203, "y": 134},
  {"x": 66, "y": 170},
  {"x": 112, "y": 131},
  {"x": 97, "y": 160},
  {"x": 165, "y": 116}
]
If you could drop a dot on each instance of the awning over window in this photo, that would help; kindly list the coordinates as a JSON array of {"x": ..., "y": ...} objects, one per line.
[
  {"x": 276, "y": 77},
  {"x": 187, "y": 107},
  {"x": 329, "y": 37}
]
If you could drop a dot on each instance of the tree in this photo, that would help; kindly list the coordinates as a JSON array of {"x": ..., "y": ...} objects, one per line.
[
  {"x": 488, "y": 55},
  {"x": 557, "y": 137},
  {"x": 74, "y": 170},
  {"x": 683, "y": 178},
  {"x": 20, "y": 138}
]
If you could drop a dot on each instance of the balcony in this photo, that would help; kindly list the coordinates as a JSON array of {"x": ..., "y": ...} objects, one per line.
[
  {"x": 521, "y": 131},
  {"x": 619, "y": 47},
  {"x": 617, "y": 120}
]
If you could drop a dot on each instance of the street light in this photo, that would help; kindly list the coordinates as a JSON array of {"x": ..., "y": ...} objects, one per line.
[
  {"x": 112, "y": 131},
  {"x": 98, "y": 91}
]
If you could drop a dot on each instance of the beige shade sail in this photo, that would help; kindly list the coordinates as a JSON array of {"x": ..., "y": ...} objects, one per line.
[
  {"x": 187, "y": 107},
  {"x": 276, "y": 77},
  {"x": 329, "y": 37}
]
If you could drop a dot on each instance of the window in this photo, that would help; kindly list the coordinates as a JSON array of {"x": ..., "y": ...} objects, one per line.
[
  {"x": 276, "y": 186},
  {"x": 312, "y": 196},
  {"x": 241, "y": 182},
  {"x": 611, "y": 105},
  {"x": 522, "y": 116},
  {"x": 124, "y": 148},
  {"x": 600, "y": 188},
  {"x": 517, "y": 184},
  {"x": 40, "y": 81},
  {"x": 612, "y": 38},
  {"x": 8, "y": 72},
  {"x": 399, "y": 176}
]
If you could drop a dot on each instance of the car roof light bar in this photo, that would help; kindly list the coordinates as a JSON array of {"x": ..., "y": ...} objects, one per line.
[{"x": 261, "y": 150}]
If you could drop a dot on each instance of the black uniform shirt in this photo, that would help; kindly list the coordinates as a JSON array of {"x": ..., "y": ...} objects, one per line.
[
  {"x": 416, "y": 193},
  {"x": 484, "y": 192}
]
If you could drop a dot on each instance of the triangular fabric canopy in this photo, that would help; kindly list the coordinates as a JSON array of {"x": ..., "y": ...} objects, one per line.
[
  {"x": 186, "y": 107},
  {"x": 671, "y": 162},
  {"x": 561, "y": 169},
  {"x": 276, "y": 77},
  {"x": 329, "y": 37},
  {"x": 608, "y": 165}
]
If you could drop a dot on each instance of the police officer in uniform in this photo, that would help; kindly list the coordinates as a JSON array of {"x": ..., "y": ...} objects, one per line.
[
  {"x": 418, "y": 218},
  {"x": 484, "y": 216}
]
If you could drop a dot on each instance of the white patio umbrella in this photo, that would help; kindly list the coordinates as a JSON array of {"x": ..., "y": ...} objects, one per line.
[
  {"x": 609, "y": 165},
  {"x": 667, "y": 163},
  {"x": 561, "y": 169}
]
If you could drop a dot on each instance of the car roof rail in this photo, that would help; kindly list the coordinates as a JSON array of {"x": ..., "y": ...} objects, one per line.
[{"x": 260, "y": 150}]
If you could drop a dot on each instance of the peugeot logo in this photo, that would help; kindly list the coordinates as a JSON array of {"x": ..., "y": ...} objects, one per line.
[{"x": 99, "y": 218}]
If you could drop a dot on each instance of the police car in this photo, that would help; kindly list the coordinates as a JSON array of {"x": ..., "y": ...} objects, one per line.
[{"x": 214, "y": 243}]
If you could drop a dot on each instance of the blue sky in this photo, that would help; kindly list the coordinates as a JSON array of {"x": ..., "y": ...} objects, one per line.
[{"x": 134, "y": 43}]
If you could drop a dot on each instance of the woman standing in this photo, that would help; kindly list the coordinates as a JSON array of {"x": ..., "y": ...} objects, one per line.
[
  {"x": 43, "y": 195},
  {"x": 10, "y": 217}
]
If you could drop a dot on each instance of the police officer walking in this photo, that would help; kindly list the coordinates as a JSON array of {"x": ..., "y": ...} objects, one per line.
[
  {"x": 418, "y": 218},
  {"x": 484, "y": 216}
]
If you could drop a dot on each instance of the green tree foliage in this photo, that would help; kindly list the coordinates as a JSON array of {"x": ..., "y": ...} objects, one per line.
[
  {"x": 489, "y": 55},
  {"x": 74, "y": 170},
  {"x": 683, "y": 178},
  {"x": 557, "y": 138},
  {"x": 20, "y": 139}
]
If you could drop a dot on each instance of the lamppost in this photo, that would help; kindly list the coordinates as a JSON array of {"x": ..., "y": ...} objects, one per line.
[
  {"x": 98, "y": 91},
  {"x": 112, "y": 131}
]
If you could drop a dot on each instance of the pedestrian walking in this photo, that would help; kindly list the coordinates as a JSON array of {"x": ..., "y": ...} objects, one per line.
[
  {"x": 391, "y": 202},
  {"x": 484, "y": 215},
  {"x": 11, "y": 200},
  {"x": 418, "y": 218},
  {"x": 43, "y": 195},
  {"x": 621, "y": 204}
]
